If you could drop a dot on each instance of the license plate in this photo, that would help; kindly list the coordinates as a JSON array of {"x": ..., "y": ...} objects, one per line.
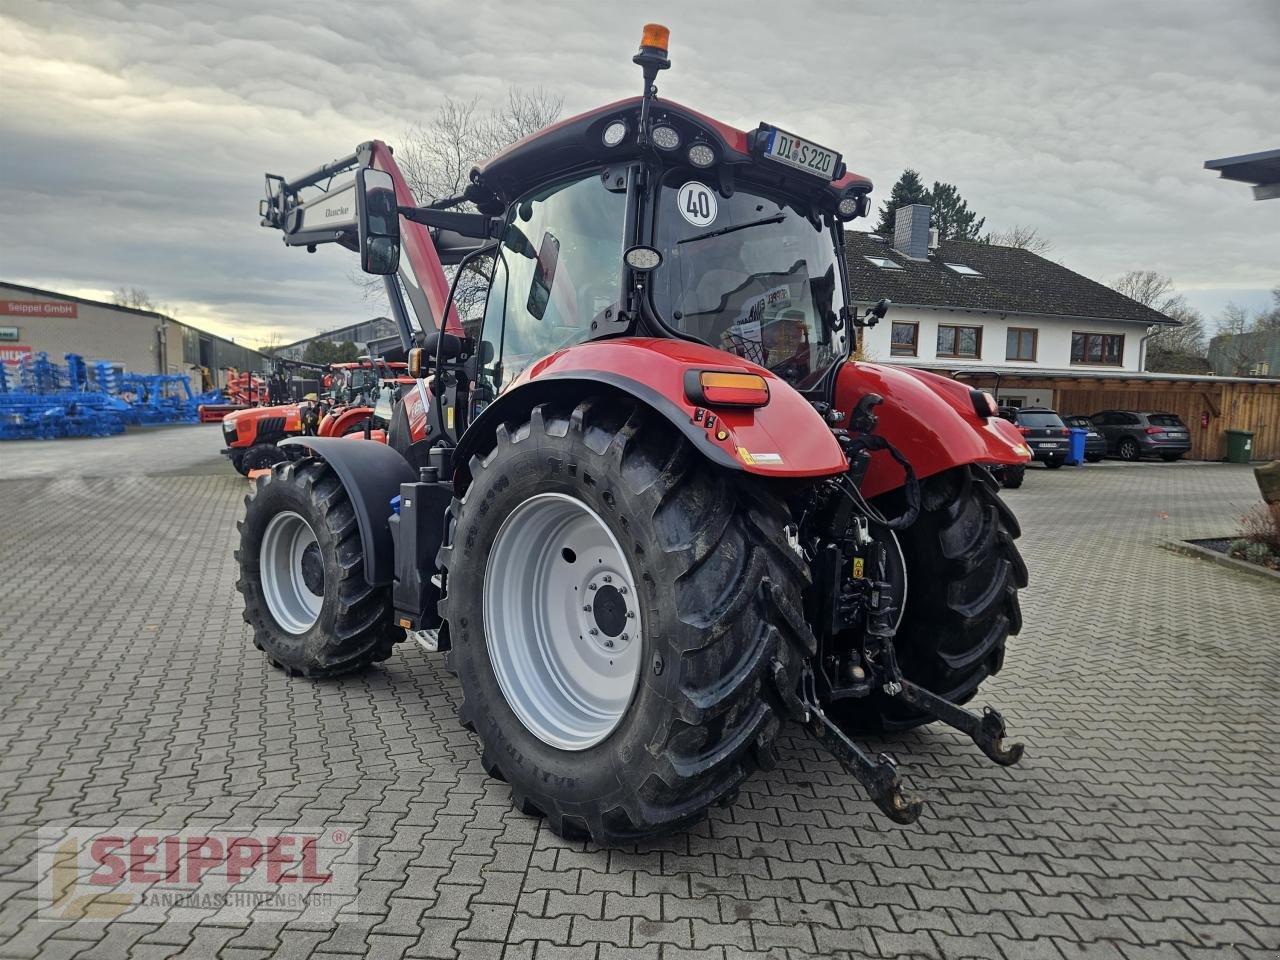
[
  {"x": 801, "y": 154},
  {"x": 1050, "y": 443}
]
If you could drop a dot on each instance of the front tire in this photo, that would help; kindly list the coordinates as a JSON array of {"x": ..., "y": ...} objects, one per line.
[
  {"x": 715, "y": 590},
  {"x": 963, "y": 577},
  {"x": 302, "y": 575},
  {"x": 1054, "y": 464},
  {"x": 262, "y": 456}
]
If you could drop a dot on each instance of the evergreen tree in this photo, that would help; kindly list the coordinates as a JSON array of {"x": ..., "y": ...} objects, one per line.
[
  {"x": 909, "y": 189},
  {"x": 326, "y": 351},
  {"x": 951, "y": 215}
]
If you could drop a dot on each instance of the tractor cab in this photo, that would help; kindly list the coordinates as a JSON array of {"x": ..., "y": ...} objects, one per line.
[{"x": 688, "y": 229}]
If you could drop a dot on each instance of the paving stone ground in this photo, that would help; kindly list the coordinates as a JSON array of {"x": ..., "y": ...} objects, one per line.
[{"x": 1144, "y": 821}]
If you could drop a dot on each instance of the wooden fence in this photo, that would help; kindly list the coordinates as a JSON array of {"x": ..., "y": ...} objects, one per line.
[{"x": 1209, "y": 408}]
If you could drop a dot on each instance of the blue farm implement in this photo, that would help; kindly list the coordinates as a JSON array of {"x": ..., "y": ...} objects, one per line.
[{"x": 44, "y": 400}]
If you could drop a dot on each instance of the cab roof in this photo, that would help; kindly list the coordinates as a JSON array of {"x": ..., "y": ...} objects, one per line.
[{"x": 576, "y": 142}]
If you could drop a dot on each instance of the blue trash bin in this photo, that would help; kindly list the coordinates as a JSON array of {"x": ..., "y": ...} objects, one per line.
[{"x": 1075, "y": 456}]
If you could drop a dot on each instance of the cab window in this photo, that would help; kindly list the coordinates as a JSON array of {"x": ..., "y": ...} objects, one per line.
[{"x": 558, "y": 268}]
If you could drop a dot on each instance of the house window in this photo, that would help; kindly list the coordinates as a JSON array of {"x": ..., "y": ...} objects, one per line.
[
  {"x": 1020, "y": 343},
  {"x": 959, "y": 341},
  {"x": 961, "y": 269},
  {"x": 906, "y": 339},
  {"x": 1101, "y": 349},
  {"x": 884, "y": 263}
]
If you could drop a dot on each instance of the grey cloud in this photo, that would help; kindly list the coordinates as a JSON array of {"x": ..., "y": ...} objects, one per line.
[{"x": 133, "y": 137}]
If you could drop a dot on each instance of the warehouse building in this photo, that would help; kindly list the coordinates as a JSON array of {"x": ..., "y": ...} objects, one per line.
[
  {"x": 140, "y": 341},
  {"x": 358, "y": 333}
]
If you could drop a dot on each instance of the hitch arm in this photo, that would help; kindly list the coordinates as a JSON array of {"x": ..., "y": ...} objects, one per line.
[
  {"x": 878, "y": 775},
  {"x": 986, "y": 730}
]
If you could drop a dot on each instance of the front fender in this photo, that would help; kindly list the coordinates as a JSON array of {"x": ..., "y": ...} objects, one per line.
[
  {"x": 930, "y": 419},
  {"x": 371, "y": 473},
  {"x": 786, "y": 438},
  {"x": 341, "y": 422}
]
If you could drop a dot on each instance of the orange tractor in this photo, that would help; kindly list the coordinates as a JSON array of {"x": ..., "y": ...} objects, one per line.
[{"x": 345, "y": 408}]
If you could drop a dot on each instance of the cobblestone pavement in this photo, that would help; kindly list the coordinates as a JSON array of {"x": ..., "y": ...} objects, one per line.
[{"x": 1143, "y": 822}]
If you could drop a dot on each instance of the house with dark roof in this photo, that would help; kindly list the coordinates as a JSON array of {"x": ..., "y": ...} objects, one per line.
[{"x": 961, "y": 304}]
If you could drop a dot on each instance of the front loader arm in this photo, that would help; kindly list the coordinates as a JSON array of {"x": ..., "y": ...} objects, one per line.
[{"x": 320, "y": 207}]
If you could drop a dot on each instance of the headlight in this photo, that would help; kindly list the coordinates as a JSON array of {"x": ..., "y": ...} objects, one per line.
[
  {"x": 614, "y": 133},
  {"x": 853, "y": 205},
  {"x": 666, "y": 138},
  {"x": 642, "y": 258},
  {"x": 701, "y": 155}
]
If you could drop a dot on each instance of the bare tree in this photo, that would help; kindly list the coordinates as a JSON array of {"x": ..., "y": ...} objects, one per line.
[
  {"x": 436, "y": 159},
  {"x": 1241, "y": 342},
  {"x": 1171, "y": 349},
  {"x": 1149, "y": 288},
  {"x": 1269, "y": 320},
  {"x": 135, "y": 298},
  {"x": 1022, "y": 237},
  {"x": 269, "y": 344}
]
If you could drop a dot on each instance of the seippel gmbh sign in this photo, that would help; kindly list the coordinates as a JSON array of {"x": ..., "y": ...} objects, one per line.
[{"x": 37, "y": 308}]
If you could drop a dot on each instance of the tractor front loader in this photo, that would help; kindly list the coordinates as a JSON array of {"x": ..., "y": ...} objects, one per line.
[{"x": 651, "y": 508}]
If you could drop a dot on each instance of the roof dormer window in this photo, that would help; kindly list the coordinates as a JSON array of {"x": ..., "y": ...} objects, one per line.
[
  {"x": 961, "y": 269},
  {"x": 884, "y": 263}
]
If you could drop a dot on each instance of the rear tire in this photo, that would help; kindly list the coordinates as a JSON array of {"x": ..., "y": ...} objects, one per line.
[
  {"x": 1094, "y": 458},
  {"x": 963, "y": 577},
  {"x": 1054, "y": 464},
  {"x": 721, "y": 631},
  {"x": 1128, "y": 450},
  {"x": 1170, "y": 457},
  {"x": 302, "y": 575},
  {"x": 1012, "y": 477}
]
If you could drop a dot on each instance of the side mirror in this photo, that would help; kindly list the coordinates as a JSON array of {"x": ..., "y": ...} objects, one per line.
[
  {"x": 875, "y": 313},
  {"x": 378, "y": 221}
]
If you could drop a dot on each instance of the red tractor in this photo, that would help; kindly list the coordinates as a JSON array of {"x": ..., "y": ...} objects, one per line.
[
  {"x": 343, "y": 409},
  {"x": 653, "y": 509}
]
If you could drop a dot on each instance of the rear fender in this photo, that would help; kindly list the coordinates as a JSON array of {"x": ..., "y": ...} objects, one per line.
[
  {"x": 785, "y": 438},
  {"x": 371, "y": 473},
  {"x": 930, "y": 419}
]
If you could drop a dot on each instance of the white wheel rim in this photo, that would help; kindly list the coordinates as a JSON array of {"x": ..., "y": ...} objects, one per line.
[
  {"x": 562, "y": 621},
  {"x": 291, "y": 572}
]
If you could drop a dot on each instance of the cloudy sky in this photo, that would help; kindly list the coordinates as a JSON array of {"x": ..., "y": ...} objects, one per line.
[{"x": 133, "y": 136}]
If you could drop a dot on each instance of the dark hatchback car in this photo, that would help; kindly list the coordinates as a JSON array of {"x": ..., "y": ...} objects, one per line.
[
  {"x": 1095, "y": 444},
  {"x": 1132, "y": 435},
  {"x": 1044, "y": 434}
]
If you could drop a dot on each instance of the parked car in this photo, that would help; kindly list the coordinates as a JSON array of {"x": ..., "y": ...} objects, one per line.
[
  {"x": 1045, "y": 434},
  {"x": 1132, "y": 435},
  {"x": 1095, "y": 444}
]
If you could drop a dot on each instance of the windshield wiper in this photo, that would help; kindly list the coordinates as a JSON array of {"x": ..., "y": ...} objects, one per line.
[{"x": 776, "y": 218}]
